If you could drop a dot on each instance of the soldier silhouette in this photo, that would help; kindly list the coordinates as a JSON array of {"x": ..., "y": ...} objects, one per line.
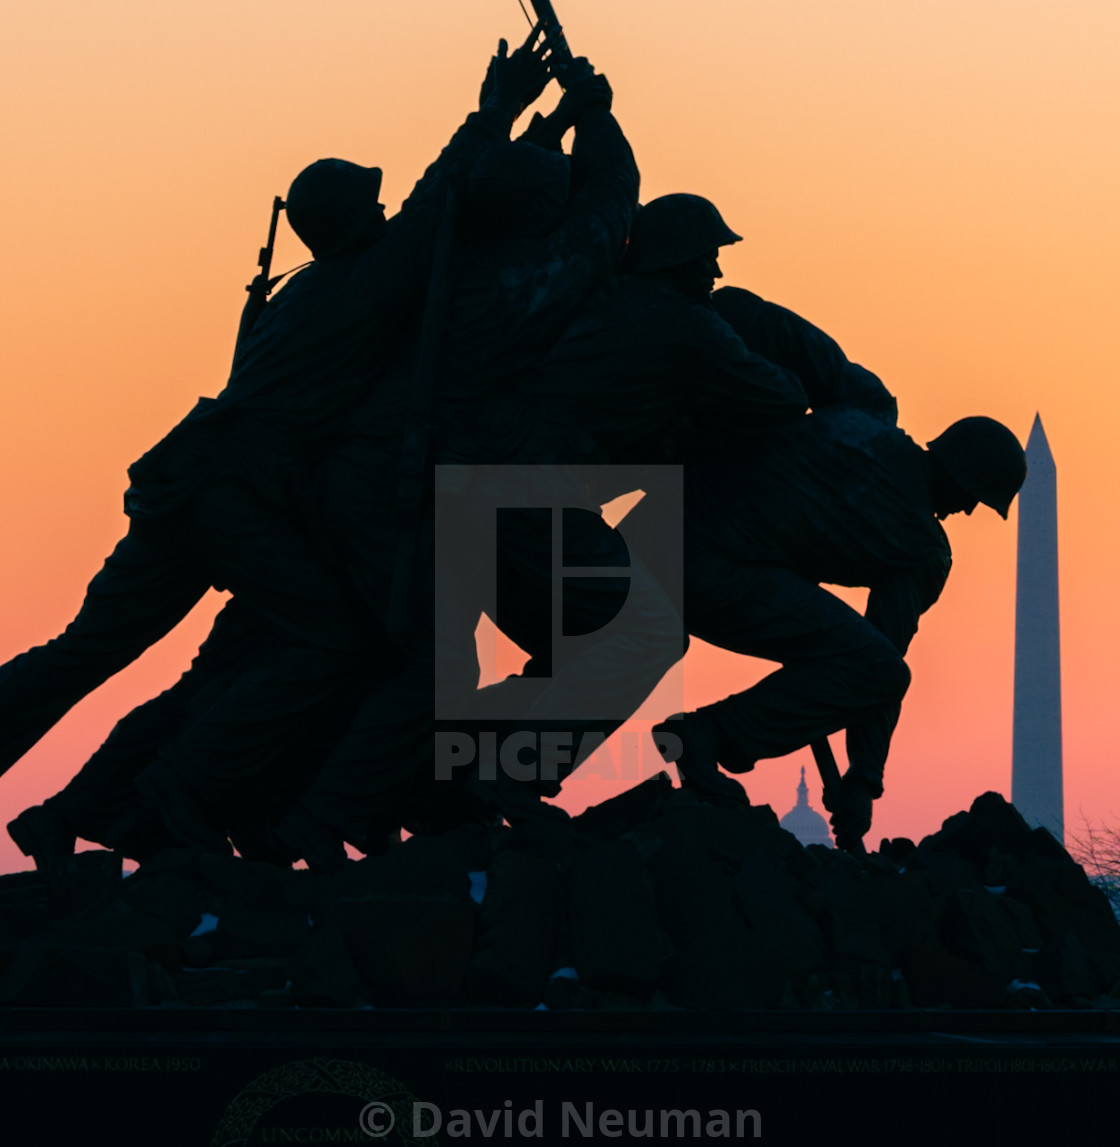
[
  {"x": 218, "y": 502},
  {"x": 843, "y": 497}
]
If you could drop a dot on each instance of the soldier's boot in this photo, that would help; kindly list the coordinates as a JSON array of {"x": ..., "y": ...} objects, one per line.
[
  {"x": 255, "y": 839},
  {"x": 547, "y": 826},
  {"x": 381, "y": 834},
  {"x": 303, "y": 836},
  {"x": 138, "y": 833},
  {"x": 692, "y": 742},
  {"x": 181, "y": 811},
  {"x": 45, "y": 835}
]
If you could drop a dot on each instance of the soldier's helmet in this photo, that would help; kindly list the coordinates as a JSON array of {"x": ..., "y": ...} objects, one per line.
[
  {"x": 985, "y": 458},
  {"x": 675, "y": 229},
  {"x": 519, "y": 189},
  {"x": 332, "y": 204}
]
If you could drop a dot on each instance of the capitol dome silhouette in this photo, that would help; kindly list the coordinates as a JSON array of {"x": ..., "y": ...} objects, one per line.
[{"x": 804, "y": 821}]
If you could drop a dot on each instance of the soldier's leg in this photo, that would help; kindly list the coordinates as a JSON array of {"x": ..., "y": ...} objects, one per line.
[
  {"x": 837, "y": 668},
  {"x": 568, "y": 688},
  {"x": 101, "y": 795},
  {"x": 389, "y": 740},
  {"x": 355, "y": 491},
  {"x": 598, "y": 647},
  {"x": 103, "y": 789},
  {"x": 145, "y": 588},
  {"x": 331, "y": 650}
]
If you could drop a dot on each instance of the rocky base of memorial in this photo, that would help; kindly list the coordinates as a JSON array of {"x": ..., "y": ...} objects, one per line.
[{"x": 666, "y": 903}]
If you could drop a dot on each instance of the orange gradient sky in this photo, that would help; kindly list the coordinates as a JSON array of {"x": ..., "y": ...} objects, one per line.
[{"x": 935, "y": 183}]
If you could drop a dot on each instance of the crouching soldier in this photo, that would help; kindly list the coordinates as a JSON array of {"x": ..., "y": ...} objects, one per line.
[{"x": 844, "y": 497}]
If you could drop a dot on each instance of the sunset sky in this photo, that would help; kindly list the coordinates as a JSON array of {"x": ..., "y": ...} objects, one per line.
[{"x": 933, "y": 182}]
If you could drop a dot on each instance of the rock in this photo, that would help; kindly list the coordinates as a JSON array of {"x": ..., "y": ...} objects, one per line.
[
  {"x": 1026, "y": 994},
  {"x": 472, "y": 843},
  {"x": 903, "y": 909},
  {"x": 518, "y": 920},
  {"x": 1064, "y": 970},
  {"x": 422, "y": 865},
  {"x": 1020, "y": 916},
  {"x": 411, "y": 950},
  {"x": 91, "y": 881},
  {"x": 562, "y": 993},
  {"x": 999, "y": 868},
  {"x": 768, "y": 899},
  {"x": 23, "y": 906},
  {"x": 1043, "y": 842},
  {"x": 947, "y": 871},
  {"x": 249, "y": 882},
  {"x": 983, "y": 929},
  {"x": 900, "y": 990},
  {"x": 617, "y": 940},
  {"x": 120, "y": 929},
  {"x": 815, "y": 996},
  {"x": 19, "y": 885},
  {"x": 407, "y": 920},
  {"x": 659, "y": 900},
  {"x": 215, "y": 987},
  {"x": 725, "y": 968},
  {"x": 252, "y": 883},
  {"x": 899, "y": 850},
  {"x": 719, "y": 960},
  {"x": 993, "y": 823},
  {"x": 1062, "y": 899},
  {"x": 197, "y": 951},
  {"x": 245, "y": 932},
  {"x": 322, "y": 973},
  {"x": 170, "y": 897},
  {"x": 621, "y": 814},
  {"x": 952, "y": 836},
  {"x": 52, "y": 973},
  {"x": 851, "y": 929},
  {"x": 937, "y": 977},
  {"x": 1109, "y": 1003}
]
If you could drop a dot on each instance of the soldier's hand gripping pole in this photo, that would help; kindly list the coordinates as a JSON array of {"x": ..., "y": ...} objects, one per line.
[
  {"x": 566, "y": 69},
  {"x": 830, "y": 779},
  {"x": 550, "y": 25},
  {"x": 261, "y": 286}
]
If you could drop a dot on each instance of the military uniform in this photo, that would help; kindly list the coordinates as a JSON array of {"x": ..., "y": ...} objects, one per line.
[
  {"x": 843, "y": 498},
  {"x": 212, "y": 503},
  {"x": 642, "y": 363},
  {"x": 513, "y": 297}
]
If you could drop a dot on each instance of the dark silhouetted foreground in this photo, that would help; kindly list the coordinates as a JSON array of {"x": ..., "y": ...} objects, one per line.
[{"x": 668, "y": 902}]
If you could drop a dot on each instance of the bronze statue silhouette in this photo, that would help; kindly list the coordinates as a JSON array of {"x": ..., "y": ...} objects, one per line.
[
  {"x": 843, "y": 497},
  {"x": 520, "y": 309},
  {"x": 220, "y": 501}
]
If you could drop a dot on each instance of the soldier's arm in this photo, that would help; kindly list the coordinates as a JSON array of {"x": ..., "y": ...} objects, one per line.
[
  {"x": 869, "y": 743},
  {"x": 588, "y": 243},
  {"x": 787, "y": 339},
  {"x": 548, "y": 289},
  {"x": 893, "y": 607},
  {"x": 511, "y": 84},
  {"x": 731, "y": 387},
  {"x": 549, "y": 131},
  {"x": 389, "y": 278},
  {"x": 605, "y": 183},
  {"x": 478, "y": 133}
]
